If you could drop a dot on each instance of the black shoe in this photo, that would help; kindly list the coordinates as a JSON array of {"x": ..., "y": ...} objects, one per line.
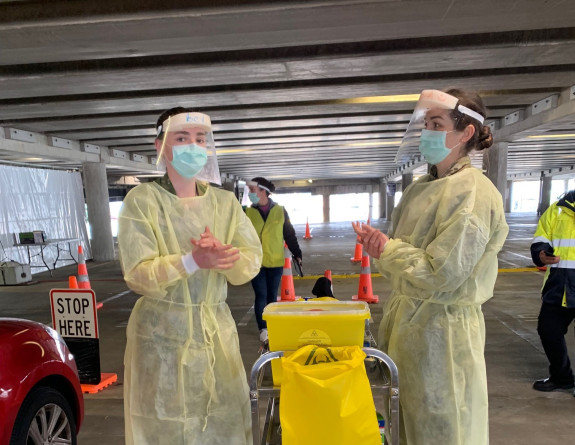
[{"x": 548, "y": 385}]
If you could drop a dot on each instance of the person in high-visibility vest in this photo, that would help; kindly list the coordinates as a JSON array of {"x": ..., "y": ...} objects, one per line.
[
  {"x": 554, "y": 246},
  {"x": 273, "y": 226}
]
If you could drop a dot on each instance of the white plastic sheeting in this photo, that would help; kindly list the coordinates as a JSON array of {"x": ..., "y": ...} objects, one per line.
[{"x": 40, "y": 199}]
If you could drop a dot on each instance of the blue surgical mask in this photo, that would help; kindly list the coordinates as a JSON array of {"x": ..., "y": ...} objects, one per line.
[
  {"x": 188, "y": 160},
  {"x": 432, "y": 146},
  {"x": 254, "y": 198}
]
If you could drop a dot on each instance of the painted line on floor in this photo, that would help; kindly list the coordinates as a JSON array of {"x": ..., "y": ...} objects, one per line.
[
  {"x": 246, "y": 318},
  {"x": 315, "y": 277},
  {"x": 113, "y": 297},
  {"x": 519, "y": 255},
  {"x": 519, "y": 269},
  {"x": 94, "y": 265},
  {"x": 525, "y": 335},
  {"x": 356, "y": 275},
  {"x": 514, "y": 265}
]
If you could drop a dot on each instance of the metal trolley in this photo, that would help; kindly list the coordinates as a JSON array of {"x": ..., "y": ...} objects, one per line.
[{"x": 383, "y": 378}]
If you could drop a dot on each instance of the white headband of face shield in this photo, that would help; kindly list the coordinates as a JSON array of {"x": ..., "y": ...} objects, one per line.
[
  {"x": 254, "y": 183},
  {"x": 179, "y": 122},
  {"x": 473, "y": 114},
  {"x": 183, "y": 120}
]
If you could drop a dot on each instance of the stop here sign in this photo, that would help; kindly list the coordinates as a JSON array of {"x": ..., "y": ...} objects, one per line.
[{"x": 74, "y": 312}]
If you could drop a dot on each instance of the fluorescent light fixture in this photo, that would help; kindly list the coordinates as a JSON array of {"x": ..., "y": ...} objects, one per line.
[
  {"x": 371, "y": 144},
  {"x": 32, "y": 159},
  {"x": 551, "y": 136},
  {"x": 238, "y": 150},
  {"x": 357, "y": 164},
  {"x": 381, "y": 99}
]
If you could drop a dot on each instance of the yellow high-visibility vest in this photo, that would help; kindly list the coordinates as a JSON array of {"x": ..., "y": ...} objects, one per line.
[
  {"x": 270, "y": 233},
  {"x": 557, "y": 228}
]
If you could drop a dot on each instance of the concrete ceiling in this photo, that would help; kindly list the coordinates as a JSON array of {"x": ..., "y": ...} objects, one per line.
[{"x": 296, "y": 90}]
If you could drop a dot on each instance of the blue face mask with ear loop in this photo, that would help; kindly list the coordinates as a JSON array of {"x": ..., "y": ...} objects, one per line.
[
  {"x": 188, "y": 160},
  {"x": 432, "y": 146},
  {"x": 254, "y": 198}
]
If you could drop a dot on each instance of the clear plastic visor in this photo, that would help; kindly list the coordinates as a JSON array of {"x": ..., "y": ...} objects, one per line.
[
  {"x": 429, "y": 99},
  {"x": 192, "y": 128}
]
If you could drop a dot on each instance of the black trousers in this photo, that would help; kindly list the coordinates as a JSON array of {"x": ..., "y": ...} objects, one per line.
[{"x": 552, "y": 325}]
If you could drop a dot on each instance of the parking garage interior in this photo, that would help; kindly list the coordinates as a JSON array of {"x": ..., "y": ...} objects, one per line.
[{"x": 315, "y": 96}]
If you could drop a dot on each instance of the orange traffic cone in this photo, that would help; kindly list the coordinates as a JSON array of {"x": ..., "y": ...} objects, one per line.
[
  {"x": 307, "y": 231},
  {"x": 72, "y": 283},
  {"x": 358, "y": 251},
  {"x": 327, "y": 274},
  {"x": 287, "y": 289},
  {"x": 83, "y": 280},
  {"x": 365, "y": 292}
]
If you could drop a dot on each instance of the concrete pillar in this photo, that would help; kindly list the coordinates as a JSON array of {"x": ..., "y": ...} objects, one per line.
[
  {"x": 97, "y": 200},
  {"x": 406, "y": 179},
  {"x": 370, "y": 210},
  {"x": 390, "y": 199},
  {"x": 495, "y": 162},
  {"x": 507, "y": 202},
  {"x": 544, "y": 194},
  {"x": 382, "y": 200},
  {"x": 325, "y": 207}
]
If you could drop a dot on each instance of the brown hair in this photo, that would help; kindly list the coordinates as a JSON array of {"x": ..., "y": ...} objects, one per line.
[
  {"x": 267, "y": 184},
  {"x": 482, "y": 138}
]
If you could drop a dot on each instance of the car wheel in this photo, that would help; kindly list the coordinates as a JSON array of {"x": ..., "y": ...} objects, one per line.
[{"x": 45, "y": 418}]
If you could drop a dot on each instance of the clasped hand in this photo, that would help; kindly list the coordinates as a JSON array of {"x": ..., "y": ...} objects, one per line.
[
  {"x": 210, "y": 253},
  {"x": 373, "y": 240}
]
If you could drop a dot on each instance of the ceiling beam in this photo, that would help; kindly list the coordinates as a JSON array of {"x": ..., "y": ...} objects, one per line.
[{"x": 72, "y": 156}]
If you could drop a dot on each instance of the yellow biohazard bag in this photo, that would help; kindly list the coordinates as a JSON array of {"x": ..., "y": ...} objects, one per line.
[{"x": 325, "y": 398}]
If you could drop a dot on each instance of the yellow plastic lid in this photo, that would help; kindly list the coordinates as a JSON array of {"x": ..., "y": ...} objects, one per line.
[{"x": 316, "y": 308}]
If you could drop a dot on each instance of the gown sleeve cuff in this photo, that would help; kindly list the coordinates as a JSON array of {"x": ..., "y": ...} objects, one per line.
[{"x": 189, "y": 263}]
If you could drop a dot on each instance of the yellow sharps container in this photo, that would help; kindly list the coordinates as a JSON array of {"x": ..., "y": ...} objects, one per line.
[{"x": 292, "y": 325}]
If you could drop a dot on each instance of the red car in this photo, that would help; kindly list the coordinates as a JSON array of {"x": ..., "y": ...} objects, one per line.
[{"x": 41, "y": 400}]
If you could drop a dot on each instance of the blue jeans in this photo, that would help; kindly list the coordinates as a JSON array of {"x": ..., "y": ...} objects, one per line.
[{"x": 265, "y": 286}]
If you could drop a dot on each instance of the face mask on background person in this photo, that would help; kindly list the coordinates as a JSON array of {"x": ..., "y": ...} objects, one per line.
[
  {"x": 188, "y": 160},
  {"x": 432, "y": 146},
  {"x": 254, "y": 198}
]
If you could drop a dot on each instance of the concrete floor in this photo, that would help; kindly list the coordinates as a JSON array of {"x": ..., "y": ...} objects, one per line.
[{"x": 518, "y": 414}]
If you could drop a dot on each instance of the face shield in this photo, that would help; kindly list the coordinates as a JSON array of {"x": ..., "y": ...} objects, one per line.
[
  {"x": 428, "y": 100},
  {"x": 249, "y": 192},
  {"x": 191, "y": 132},
  {"x": 246, "y": 196}
]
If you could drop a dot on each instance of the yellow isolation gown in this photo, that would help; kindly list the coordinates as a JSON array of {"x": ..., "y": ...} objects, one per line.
[{"x": 185, "y": 382}]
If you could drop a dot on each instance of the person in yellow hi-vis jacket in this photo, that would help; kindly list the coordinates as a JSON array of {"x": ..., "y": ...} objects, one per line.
[
  {"x": 180, "y": 242},
  {"x": 273, "y": 226},
  {"x": 441, "y": 258},
  {"x": 554, "y": 246}
]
